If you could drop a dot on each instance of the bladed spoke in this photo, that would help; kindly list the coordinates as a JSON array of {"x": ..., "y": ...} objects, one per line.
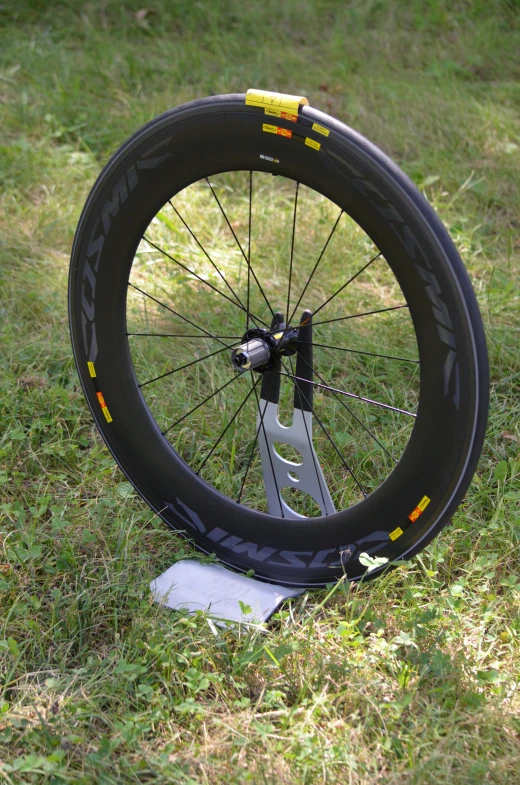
[
  {"x": 341, "y": 288},
  {"x": 249, "y": 249},
  {"x": 240, "y": 247},
  {"x": 233, "y": 379},
  {"x": 230, "y": 423},
  {"x": 206, "y": 254},
  {"x": 309, "y": 437},
  {"x": 186, "y": 365},
  {"x": 269, "y": 454},
  {"x": 329, "y": 437},
  {"x": 369, "y": 354},
  {"x": 292, "y": 248},
  {"x": 167, "y": 307},
  {"x": 183, "y": 335},
  {"x": 349, "y": 410},
  {"x": 262, "y": 414},
  {"x": 340, "y": 319},
  {"x": 195, "y": 275},
  {"x": 309, "y": 279},
  {"x": 359, "y": 315},
  {"x": 351, "y": 395}
]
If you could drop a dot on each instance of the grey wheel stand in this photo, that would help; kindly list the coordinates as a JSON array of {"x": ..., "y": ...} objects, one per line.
[
  {"x": 279, "y": 473},
  {"x": 213, "y": 588}
]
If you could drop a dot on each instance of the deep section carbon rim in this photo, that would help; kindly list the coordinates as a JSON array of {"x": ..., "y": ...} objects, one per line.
[{"x": 289, "y": 368}]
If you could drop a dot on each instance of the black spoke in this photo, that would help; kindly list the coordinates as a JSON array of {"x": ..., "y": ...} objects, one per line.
[
  {"x": 329, "y": 437},
  {"x": 370, "y": 354},
  {"x": 339, "y": 319},
  {"x": 230, "y": 423},
  {"x": 233, "y": 379},
  {"x": 211, "y": 261},
  {"x": 186, "y": 365},
  {"x": 262, "y": 414},
  {"x": 350, "y": 395},
  {"x": 269, "y": 453},
  {"x": 183, "y": 335},
  {"x": 346, "y": 284},
  {"x": 309, "y": 439},
  {"x": 167, "y": 307},
  {"x": 292, "y": 249},
  {"x": 309, "y": 279},
  {"x": 359, "y": 315},
  {"x": 249, "y": 249},
  {"x": 195, "y": 275},
  {"x": 240, "y": 247},
  {"x": 349, "y": 410}
]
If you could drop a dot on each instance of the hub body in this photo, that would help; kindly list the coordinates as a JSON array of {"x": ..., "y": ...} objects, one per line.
[{"x": 261, "y": 348}]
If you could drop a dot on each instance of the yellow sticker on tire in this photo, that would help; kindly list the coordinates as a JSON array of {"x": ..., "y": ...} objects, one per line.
[
  {"x": 281, "y": 101},
  {"x": 91, "y": 370},
  {"x": 312, "y": 143},
  {"x": 396, "y": 533}
]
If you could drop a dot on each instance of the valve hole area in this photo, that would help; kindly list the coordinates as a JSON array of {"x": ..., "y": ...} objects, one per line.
[
  {"x": 288, "y": 453},
  {"x": 300, "y": 502},
  {"x": 292, "y": 476}
]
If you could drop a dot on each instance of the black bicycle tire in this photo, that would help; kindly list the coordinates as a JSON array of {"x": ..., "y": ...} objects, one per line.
[{"x": 321, "y": 560}]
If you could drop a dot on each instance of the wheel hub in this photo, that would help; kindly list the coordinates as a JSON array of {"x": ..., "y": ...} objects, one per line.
[{"x": 260, "y": 348}]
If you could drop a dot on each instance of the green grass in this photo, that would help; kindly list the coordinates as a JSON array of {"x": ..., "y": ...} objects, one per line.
[{"x": 412, "y": 679}]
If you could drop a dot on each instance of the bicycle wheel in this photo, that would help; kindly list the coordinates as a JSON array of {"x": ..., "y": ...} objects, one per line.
[{"x": 277, "y": 339}]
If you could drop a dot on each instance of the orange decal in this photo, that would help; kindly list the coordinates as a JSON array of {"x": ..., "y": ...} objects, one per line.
[
  {"x": 278, "y": 113},
  {"x": 103, "y": 405},
  {"x": 420, "y": 508},
  {"x": 275, "y": 129}
]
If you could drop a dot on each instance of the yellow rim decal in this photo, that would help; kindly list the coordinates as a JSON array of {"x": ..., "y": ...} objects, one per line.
[
  {"x": 312, "y": 143},
  {"x": 419, "y": 509},
  {"x": 320, "y": 129},
  {"x": 283, "y": 115},
  {"x": 396, "y": 533},
  {"x": 91, "y": 370},
  {"x": 275, "y": 129},
  {"x": 104, "y": 408},
  {"x": 424, "y": 503},
  {"x": 265, "y": 98}
]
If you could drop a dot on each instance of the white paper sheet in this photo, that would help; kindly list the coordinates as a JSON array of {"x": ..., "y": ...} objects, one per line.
[{"x": 217, "y": 590}]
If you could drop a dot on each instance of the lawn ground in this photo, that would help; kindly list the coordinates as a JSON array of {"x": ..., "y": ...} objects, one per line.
[{"x": 411, "y": 679}]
